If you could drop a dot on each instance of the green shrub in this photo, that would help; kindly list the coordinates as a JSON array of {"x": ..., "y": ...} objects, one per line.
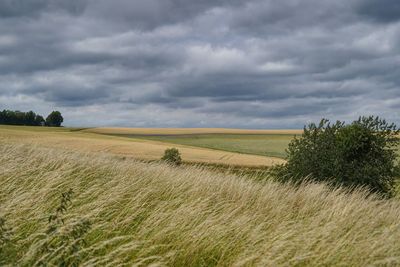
[
  {"x": 362, "y": 153},
  {"x": 172, "y": 156}
]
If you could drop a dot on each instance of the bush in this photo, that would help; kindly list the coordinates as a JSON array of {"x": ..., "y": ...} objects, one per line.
[
  {"x": 172, "y": 156},
  {"x": 362, "y": 153}
]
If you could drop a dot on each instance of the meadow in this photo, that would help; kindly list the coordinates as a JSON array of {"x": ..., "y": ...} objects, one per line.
[
  {"x": 151, "y": 213},
  {"x": 129, "y": 209}
]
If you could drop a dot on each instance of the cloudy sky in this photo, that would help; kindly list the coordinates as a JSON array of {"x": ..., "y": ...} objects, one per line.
[{"x": 201, "y": 63}]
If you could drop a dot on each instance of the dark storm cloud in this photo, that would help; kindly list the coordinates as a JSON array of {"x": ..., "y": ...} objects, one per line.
[
  {"x": 381, "y": 11},
  {"x": 77, "y": 96},
  {"x": 256, "y": 63},
  {"x": 150, "y": 14},
  {"x": 23, "y": 8},
  {"x": 274, "y": 17},
  {"x": 279, "y": 109}
]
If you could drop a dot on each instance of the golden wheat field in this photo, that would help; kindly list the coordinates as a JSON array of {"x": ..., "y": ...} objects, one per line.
[
  {"x": 180, "y": 131},
  {"x": 151, "y": 214},
  {"x": 87, "y": 141}
]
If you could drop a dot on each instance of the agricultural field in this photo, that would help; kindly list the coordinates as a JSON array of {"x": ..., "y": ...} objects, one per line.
[
  {"x": 270, "y": 143},
  {"x": 184, "y": 131},
  {"x": 90, "y": 140},
  {"x": 263, "y": 145}
]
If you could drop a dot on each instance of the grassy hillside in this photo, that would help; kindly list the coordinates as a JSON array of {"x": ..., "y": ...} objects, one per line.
[{"x": 145, "y": 213}]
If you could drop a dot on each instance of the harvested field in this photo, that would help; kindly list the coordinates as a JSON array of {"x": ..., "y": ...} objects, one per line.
[
  {"x": 270, "y": 143},
  {"x": 85, "y": 141}
]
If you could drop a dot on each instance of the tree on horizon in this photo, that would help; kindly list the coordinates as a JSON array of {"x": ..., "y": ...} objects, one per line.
[{"x": 55, "y": 119}]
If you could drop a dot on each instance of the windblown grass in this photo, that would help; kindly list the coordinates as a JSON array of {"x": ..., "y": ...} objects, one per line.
[{"x": 145, "y": 214}]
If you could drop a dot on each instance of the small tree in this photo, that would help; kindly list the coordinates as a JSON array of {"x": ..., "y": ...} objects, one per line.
[
  {"x": 172, "y": 156},
  {"x": 359, "y": 154},
  {"x": 54, "y": 119}
]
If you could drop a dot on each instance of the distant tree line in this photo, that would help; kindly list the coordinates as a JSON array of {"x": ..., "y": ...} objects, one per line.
[{"x": 30, "y": 118}]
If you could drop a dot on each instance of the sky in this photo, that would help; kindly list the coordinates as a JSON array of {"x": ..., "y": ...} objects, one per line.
[{"x": 201, "y": 63}]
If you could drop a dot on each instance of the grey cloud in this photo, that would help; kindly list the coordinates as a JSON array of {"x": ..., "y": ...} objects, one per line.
[
  {"x": 150, "y": 14},
  {"x": 22, "y": 8},
  {"x": 295, "y": 107},
  {"x": 76, "y": 96},
  {"x": 256, "y": 63},
  {"x": 384, "y": 11}
]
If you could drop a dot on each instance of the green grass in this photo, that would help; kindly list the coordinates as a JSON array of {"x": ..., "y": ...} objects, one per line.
[{"x": 272, "y": 145}]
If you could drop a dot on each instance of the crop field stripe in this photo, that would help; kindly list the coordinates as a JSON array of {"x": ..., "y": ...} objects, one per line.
[
  {"x": 135, "y": 148},
  {"x": 270, "y": 145},
  {"x": 147, "y": 131}
]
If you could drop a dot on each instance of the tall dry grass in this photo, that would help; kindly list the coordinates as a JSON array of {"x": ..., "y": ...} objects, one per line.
[{"x": 144, "y": 214}]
